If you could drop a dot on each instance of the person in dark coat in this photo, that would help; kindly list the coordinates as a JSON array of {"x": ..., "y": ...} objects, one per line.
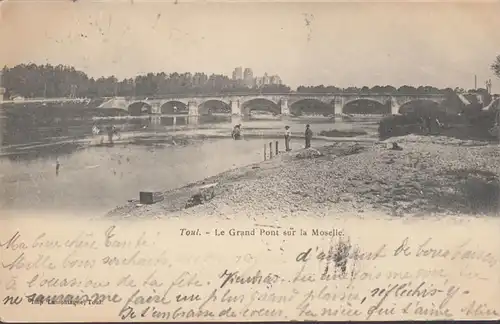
[
  {"x": 58, "y": 165},
  {"x": 288, "y": 135},
  {"x": 308, "y": 136}
]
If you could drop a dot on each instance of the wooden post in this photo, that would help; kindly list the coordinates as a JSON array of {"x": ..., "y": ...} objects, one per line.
[
  {"x": 277, "y": 151},
  {"x": 265, "y": 153},
  {"x": 270, "y": 150}
]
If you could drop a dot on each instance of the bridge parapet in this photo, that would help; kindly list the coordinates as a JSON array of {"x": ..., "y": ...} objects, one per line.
[{"x": 401, "y": 100}]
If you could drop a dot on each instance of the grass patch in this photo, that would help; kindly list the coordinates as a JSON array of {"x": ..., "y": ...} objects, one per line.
[{"x": 475, "y": 191}]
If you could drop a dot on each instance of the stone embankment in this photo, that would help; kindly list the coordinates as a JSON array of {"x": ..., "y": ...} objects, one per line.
[{"x": 429, "y": 176}]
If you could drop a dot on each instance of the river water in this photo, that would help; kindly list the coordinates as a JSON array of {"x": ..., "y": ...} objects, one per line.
[{"x": 97, "y": 178}]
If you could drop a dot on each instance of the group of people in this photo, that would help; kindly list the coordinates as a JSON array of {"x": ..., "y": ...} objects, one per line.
[
  {"x": 111, "y": 130},
  {"x": 308, "y": 134},
  {"x": 426, "y": 124}
]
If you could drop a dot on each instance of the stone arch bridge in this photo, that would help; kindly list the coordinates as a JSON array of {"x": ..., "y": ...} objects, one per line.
[{"x": 278, "y": 104}]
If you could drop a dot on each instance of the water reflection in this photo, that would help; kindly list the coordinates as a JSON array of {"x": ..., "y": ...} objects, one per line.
[
  {"x": 99, "y": 178},
  {"x": 103, "y": 176},
  {"x": 38, "y": 152},
  {"x": 173, "y": 121},
  {"x": 27, "y": 124},
  {"x": 31, "y": 132},
  {"x": 24, "y": 127}
]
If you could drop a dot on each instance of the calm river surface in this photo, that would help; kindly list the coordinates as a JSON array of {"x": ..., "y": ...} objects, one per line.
[{"x": 95, "y": 179}]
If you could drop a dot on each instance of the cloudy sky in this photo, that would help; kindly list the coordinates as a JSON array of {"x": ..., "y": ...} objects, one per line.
[{"x": 341, "y": 44}]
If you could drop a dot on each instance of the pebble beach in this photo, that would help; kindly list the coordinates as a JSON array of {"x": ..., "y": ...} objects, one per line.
[{"x": 430, "y": 175}]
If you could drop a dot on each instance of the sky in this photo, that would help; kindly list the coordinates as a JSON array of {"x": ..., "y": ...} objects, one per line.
[{"x": 341, "y": 44}]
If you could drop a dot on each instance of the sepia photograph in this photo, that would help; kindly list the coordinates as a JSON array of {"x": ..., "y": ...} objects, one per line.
[{"x": 239, "y": 161}]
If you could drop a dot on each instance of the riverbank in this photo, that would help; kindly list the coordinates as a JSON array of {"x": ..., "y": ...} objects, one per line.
[{"x": 429, "y": 176}]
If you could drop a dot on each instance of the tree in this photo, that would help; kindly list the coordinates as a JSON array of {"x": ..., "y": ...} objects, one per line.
[
  {"x": 408, "y": 90},
  {"x": 365, "y": 89},
  {"x": 495, "y": 67}
]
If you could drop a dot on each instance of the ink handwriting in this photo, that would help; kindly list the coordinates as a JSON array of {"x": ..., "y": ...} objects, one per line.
[{"x": 137, "y": 278}]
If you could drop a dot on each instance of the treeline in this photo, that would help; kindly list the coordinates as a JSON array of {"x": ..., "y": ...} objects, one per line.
[
  {"x": 387, "y": 90},
  {"x": 495, "y": 66},
  {"x": 32, "y": 81},
  {"x": 47, "y": 81}
]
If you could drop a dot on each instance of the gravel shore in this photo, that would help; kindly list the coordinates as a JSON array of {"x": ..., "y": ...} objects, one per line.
[{"x": 429, "y": 176}]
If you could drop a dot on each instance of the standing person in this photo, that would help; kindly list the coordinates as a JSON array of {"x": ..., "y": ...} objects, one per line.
[
  {"x": 288, "y": 135},
  {"x": 110, "y": 133},
  {"x": 429, "y": 124},
  {"x": 308, "y": 136},
  {"x": 423, "y": 125},
  {"x": 116, "y": 132},
  {"x": 58, "y": 165}
]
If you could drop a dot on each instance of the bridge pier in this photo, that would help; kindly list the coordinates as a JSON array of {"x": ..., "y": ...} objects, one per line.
[
  {"x": 394, "y": 106},
  {"x": 338, "y": 105},
  {"x": 285, "y": 110},
  {"x": 191, "y": 120},
  {"x": 155, "y": 108},
  {"x": 235, "y": 108},
  {"x": 156, "y": 120},
  {"x": 193, "y": 108}
]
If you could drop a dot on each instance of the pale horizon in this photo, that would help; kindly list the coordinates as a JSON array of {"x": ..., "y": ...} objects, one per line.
[{"x": 338, "y": 44}]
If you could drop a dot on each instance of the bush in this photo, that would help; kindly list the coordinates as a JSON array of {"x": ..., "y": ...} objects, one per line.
[{"x": 398, "y": 125}]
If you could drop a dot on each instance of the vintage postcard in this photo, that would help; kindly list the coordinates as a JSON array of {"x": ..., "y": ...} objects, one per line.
[{"x": 249, "y": 161}]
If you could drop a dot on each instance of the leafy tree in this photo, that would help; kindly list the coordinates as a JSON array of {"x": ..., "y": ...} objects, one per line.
[
  {"x": 365, "y": 89},
  {"x": 407, "y": 90},
  {"x": 389, "y": 89},
  {"x": 495, "y": 67}
]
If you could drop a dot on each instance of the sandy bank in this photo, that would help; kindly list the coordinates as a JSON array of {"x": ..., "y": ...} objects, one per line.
[{"x": 431, "y": 175}]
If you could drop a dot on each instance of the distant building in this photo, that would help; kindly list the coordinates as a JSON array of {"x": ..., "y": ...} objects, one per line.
[
  {"x": 266, "y": 79},
  {"x": 200, "y": 79},
  {"x": 248, "y": 78},
  {"x": 259, "y": 82},
  {"x": 238, "y": 73},
  {"x": 488, "y": 86},
  {"x": 275, "y": 79}
]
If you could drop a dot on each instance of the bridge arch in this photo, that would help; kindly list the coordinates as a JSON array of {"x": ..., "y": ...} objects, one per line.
[
  {"x": 308, "y": 106},
  {"x": 174, "y": 107},
  {"x": 420, "y": 106},
  {"x": 214, "y": 106},
  {"x": 366, "y": 106},
  {"x": 139, "y": 108},
  {"x": 260, "y": 104},
  {"x": 244, "y": 100}
]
